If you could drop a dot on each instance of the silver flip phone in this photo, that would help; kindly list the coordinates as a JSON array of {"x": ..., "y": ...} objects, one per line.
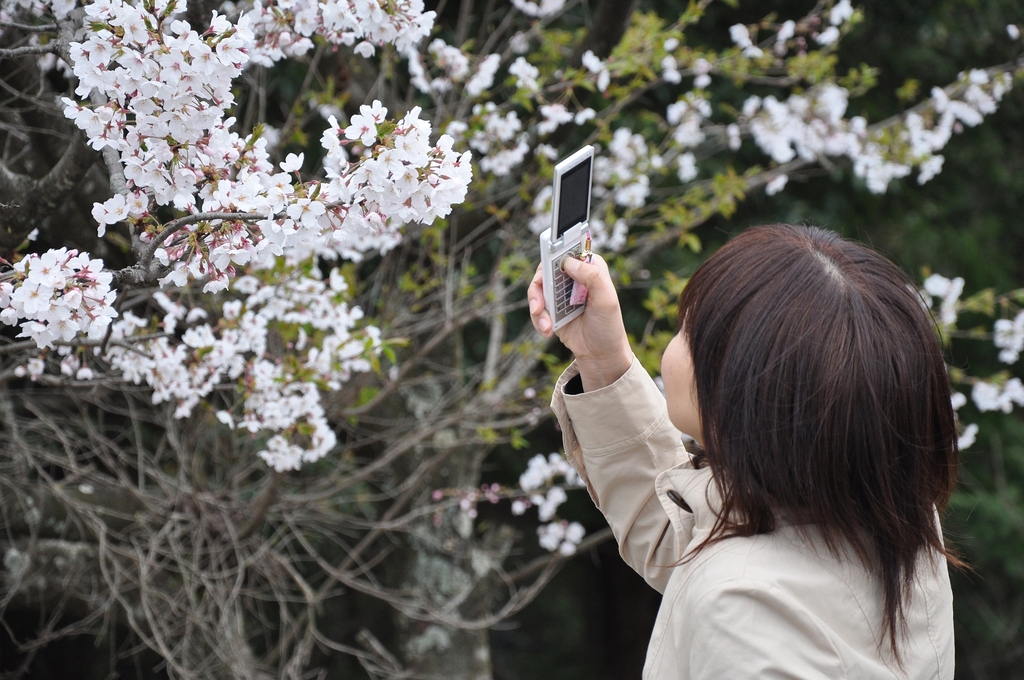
[{"x": 570, "y": 217}]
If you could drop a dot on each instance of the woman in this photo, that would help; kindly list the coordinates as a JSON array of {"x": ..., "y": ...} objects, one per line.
[{"x": 802, "y": 541}]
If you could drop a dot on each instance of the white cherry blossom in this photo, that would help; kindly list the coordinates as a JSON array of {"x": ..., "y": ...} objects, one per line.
[
  {"x": 284, "y": 28},
  {"x": 275, "y": 401},
  {"x": 776, "y": 185},
  {"x": 989, "y": 396},
  {"x": 58, "y": 295},
  {"x": 840, "y": 13},
  {"x": 1009, "y": 338},
  {"x": 553, "y": 115},
  {"x": 967, "y": 437},
  {"x": 526, "y": 75},
  {"x": 596, "y": 66},
  {"x": 538, "y": 8}
]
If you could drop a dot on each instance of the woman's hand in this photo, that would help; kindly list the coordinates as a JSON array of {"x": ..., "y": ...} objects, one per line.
[{"x": 597, "y": 337}]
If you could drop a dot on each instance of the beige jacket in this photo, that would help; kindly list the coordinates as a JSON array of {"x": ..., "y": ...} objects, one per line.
[{"x": 769, "y": 606}]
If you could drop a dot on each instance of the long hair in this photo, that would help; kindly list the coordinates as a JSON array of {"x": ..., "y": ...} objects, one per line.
[{"x": 823, "y": 392}]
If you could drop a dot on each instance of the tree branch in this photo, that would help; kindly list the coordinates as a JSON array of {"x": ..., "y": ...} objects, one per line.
[
  {"x": 260, "y": 506},
  {"x": 29, "y": 28},
  {"x": 592, "y": 541},
  {"x": 82, "y": 342},
  {"x": 26, "y": 202},
  {"x": 111, "y": 158},
  {"x": 497, "y": 334},
  {"x": 49, "y": 48}
]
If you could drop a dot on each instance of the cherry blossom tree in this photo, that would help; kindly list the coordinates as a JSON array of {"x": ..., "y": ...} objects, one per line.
[{"x": 248, "y": 378}]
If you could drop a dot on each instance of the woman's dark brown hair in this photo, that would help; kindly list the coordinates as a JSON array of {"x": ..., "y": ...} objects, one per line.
[{"x": 823, "y": 392}]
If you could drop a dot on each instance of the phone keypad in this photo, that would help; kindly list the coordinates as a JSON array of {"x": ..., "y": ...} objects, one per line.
[{"x": 563, "y": 286}]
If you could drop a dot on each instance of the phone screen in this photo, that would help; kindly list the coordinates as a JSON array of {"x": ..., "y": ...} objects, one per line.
[{"x": 574, "y": 197}]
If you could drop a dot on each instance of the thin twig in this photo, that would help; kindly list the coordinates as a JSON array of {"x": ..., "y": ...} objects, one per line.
[
  {"x": 29, "y": 28},
  {"x": 49, "y": 48}
]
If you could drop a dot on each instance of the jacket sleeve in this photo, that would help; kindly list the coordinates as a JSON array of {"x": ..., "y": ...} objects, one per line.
[{"x": 619, "y": 439}]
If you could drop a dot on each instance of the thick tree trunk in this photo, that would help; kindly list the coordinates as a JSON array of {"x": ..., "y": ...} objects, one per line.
[
  {"x": 35, "y": 195},
  {"x": 448, "y": 566},
  {"x": 439, "y": 651},
  {"x": 50, "y": 574}
]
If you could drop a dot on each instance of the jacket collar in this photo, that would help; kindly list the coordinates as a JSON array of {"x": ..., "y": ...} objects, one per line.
[{"x": 697, "y": 490}]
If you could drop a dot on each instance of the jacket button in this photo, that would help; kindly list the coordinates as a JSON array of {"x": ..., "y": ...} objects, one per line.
[{"x": 677, "y": 499}]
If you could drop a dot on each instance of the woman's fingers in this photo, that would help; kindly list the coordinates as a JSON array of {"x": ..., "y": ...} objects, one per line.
[
  {"x": 535, "y": 295},
  {"x": 580, "y": 271},
  {"x": 594, "y": 276}
]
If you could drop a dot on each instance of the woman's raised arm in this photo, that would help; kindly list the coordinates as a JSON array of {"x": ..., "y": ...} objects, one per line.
[{"x": 597, "y": 337}]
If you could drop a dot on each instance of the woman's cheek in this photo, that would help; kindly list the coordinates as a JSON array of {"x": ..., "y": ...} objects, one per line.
[
  {"x": 677, "y": 375},
  {"x": 683, "y": 415}
]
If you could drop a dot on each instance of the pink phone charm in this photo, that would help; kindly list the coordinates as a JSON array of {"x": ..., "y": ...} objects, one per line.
[{"x": 579, "y": 291}]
